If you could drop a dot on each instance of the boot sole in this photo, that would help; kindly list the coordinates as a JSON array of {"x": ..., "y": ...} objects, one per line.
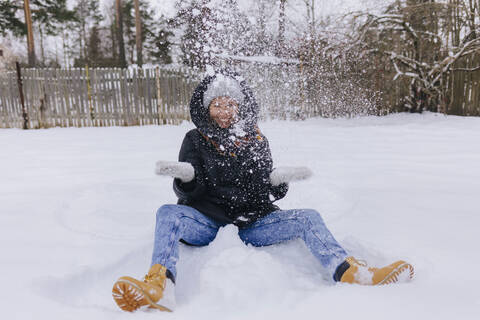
[
  {"x": 129, "y": 297},
  {"x": 399, "y": 273}
]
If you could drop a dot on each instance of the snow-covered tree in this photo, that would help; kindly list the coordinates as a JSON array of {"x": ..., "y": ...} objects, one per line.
[
  {"x": 212, "y": 29},
  {"x": 195, "y": 19},
  {"x": 422, "y": 42}
]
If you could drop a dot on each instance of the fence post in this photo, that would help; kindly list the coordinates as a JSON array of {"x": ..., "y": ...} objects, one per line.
[
  {"x": 159, "y": 104},
  {"x": 22, "y": 99},
  {"x": 89, "y": 96}
]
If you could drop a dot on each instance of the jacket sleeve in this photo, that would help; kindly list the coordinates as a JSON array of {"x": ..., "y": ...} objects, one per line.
[
  {"x": 194, "y": 189},
  {"x": 279, "y": 192}
]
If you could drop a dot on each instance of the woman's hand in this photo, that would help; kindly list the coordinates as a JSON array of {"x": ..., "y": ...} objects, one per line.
[
  {"x": 288, "y": 174},
  {"x": 181, "y": 170}
]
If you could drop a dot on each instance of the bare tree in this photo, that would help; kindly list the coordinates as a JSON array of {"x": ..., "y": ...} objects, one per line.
[{"x": 423, "y": 40}]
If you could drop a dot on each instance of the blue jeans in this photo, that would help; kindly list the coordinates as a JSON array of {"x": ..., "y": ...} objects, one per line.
[{"x": 175, "y": 222}]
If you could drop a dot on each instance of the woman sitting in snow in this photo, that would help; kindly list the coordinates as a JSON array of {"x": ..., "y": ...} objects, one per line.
[{"x": 224, "y": 176}]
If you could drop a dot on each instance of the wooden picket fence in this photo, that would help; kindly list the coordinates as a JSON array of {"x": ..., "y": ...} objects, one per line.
[
  {"x": 81, "y": 97},
  {"x": 95, "y": 97},
  {"x": 464, "y": 88}
]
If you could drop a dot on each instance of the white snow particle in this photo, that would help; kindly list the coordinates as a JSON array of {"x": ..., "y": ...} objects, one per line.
[{"x": 364, "y": 276}]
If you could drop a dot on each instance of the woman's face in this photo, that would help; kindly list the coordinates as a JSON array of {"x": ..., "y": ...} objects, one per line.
[{"x": 224, "y": 111}]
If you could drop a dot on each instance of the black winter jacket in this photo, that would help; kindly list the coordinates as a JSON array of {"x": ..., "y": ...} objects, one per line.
[{"x": 228, "y": 188}]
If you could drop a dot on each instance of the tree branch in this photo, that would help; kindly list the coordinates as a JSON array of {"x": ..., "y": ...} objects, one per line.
[{"x": 467, "y": 69}]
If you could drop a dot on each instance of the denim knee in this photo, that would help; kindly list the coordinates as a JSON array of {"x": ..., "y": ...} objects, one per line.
[
  {"x": 168, "y": 211},
  {"x": 309, "y": 217}
]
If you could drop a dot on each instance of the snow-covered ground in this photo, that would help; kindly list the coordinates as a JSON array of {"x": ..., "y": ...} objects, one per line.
[{"x": 77, "y": 211}]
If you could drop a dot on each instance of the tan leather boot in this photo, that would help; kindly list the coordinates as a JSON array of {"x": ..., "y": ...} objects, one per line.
[
  {"x": 360, "y": 273},
  {"x": 155, "y": 291}
]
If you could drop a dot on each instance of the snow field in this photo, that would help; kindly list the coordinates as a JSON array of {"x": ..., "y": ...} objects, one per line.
[{"x": 77, "y": 211}]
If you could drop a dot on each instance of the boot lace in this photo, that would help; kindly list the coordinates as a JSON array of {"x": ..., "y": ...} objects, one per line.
[
  {"x": 352, "y": 260},
  {"x": 157, "y": 278}
]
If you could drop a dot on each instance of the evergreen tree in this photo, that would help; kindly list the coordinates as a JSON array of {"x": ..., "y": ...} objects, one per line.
[
  {"x": 48, "y": 17},
  {"x": 9, "y": 20},
  {"x": 159, "y": 48},
  {"x": 128, "y": 15},
  {"x": 95, "y": 14},
  {"x": 197, "y": 21},
  {"x": 87, "y": 25},
  {"x": 80, "y": 26},
  {"x": 95, "y": 53},
  {"x": 155, "y": 34},
  {"x": 51, "y": 15}
]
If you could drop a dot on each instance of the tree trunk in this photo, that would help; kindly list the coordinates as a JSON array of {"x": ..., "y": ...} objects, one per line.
[
  {"x": 138, "y": 35},
  {"x": 471, "y": 19},
  {"x": 311, "y": 29},
  {"x": 31, "y": 46},
  {"x": 83, "y": 40},
  {"x": 121, "y": 45},
  {"x": 114, "y": 42},
  {"x": 42, "y": 48},
  {"x": 281, "y": 29},
  {"x": 65, "y": 53}
]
